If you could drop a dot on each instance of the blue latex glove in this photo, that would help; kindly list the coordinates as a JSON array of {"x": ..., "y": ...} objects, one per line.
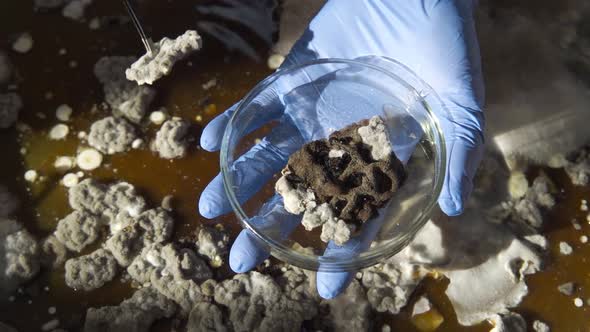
[{"x": 435, "y": 39}]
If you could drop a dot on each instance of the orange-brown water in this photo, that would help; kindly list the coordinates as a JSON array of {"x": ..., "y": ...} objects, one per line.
[{"x": 44, "y": 71}]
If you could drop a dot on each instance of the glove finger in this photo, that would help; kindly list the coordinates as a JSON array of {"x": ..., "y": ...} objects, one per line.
[
  {"x": 252, "y": 170},
  {"x": 247, "y": 252},
  {"x": 213, "y": 131},
  {"x": 463, "y": 158},
  {"x": 274, "y": 221},
  {"x": 266, "y": 106},
  {"x": 330, "y": 284}
]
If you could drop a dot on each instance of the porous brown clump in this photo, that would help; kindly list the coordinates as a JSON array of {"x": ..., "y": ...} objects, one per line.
[{"x": 341, "y": 171}]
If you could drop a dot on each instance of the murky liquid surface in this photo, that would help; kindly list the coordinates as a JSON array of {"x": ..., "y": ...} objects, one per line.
[{"x": 47, "y": 79}]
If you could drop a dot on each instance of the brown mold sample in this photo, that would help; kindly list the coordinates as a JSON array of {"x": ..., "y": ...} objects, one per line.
[{"x": 349, "y": 180}]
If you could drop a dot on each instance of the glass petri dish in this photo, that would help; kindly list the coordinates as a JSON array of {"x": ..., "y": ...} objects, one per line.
[{"x": 307, "y": 102}]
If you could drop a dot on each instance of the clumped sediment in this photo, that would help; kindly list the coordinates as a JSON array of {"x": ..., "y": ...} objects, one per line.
[
  {"x": 172, "y": 139},
  {"x": 91, "y": 271},
  {"x": 111, "y": 135},
  {"x": 165, "y": 53},
  {"x": 10, "y": 106},
  {"x": 135, "y": 314},
  {"x": 19, "y": 255},
  {"x": 340, "y": 182},
  {"x": 177, "y": 278},
  {"x": 125, "y": 98}
]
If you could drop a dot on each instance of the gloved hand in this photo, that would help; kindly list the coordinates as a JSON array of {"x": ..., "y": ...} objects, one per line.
[{"x": 435, "y": 39}]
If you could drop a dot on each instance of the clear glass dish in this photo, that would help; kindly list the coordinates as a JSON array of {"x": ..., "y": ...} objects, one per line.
[{"x": 335, "y": 93}]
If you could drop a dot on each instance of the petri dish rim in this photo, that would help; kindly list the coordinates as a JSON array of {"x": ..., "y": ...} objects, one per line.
[{"x": 287, "y": 254}]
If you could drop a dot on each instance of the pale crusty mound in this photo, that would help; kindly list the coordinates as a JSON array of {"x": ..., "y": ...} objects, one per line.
[{"x": 165, "y": 54}]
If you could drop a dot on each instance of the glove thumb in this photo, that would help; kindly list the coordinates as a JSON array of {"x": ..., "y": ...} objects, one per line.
[{"x": 464, "y": 153}]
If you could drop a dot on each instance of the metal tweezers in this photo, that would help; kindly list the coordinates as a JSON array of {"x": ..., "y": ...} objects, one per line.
[{"x": 137, "y": 24}]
